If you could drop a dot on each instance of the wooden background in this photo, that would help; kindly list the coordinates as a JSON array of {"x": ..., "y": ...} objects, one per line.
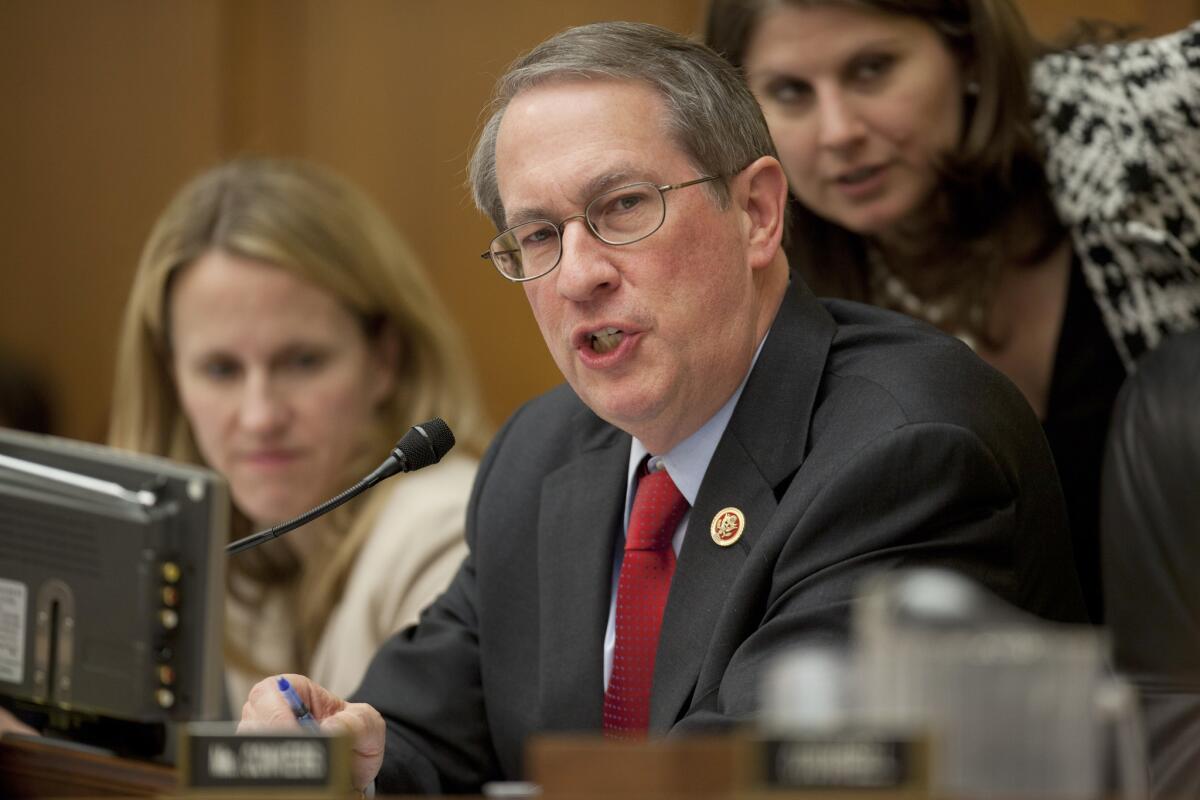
[{"x": 109, "y": 105}]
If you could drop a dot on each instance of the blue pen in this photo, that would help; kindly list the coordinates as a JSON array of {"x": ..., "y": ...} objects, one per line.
[{"x": 297, "y": 705}]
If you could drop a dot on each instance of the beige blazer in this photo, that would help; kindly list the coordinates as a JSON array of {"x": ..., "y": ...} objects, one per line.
[{"x": 412, "y": 553}]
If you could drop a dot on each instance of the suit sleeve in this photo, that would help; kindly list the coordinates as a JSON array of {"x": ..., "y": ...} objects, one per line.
[{"x": 426, "y": 682}]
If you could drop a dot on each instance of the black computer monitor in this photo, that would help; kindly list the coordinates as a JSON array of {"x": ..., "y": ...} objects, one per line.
[{"x": 111, "y": 583}]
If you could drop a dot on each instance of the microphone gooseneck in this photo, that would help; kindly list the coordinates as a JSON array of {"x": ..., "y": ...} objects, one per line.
[{"x": 423, "y": 445}]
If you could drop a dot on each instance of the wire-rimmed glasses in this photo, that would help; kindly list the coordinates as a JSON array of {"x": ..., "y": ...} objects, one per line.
[{"x": 618, "y": 216}]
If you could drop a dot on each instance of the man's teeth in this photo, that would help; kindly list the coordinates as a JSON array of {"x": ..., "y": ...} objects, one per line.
[{"x": 607, "y": 340}]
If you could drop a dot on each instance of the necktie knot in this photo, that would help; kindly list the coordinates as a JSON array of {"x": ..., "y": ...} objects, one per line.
[{"x": 658, "y": 507}]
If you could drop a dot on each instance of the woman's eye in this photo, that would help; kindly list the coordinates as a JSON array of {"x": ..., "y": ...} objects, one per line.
[
  {"x": 305, "y": 361},
  {"x": 871, "y": 68},
  {"x": 220, "y": 369},
  {"x": 788, "y": 91}
]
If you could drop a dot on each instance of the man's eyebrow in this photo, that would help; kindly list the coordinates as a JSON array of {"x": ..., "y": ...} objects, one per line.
[
  {"x": 595, "y": 186},
  {"x": 609, "y": 180},
  {"x": 522, "y": 215}
]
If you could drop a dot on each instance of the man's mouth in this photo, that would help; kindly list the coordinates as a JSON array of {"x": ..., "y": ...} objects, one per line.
[{"x": 606, "y": 340}]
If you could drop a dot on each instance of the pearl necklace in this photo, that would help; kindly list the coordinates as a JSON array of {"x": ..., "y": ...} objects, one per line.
[{"x": 890, "y": 288}]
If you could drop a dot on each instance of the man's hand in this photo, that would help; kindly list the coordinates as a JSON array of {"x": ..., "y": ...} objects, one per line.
[{"x": 265, "y": 709}]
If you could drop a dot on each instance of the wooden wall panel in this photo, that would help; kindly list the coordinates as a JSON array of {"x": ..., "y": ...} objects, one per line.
[
  {"x": 109, "y": 106},
  {"x": 263, "y": 71},
  {"x": 1050, "y": 19}
]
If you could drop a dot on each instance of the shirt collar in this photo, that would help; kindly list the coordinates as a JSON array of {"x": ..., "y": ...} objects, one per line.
[{"x": 688, "y": 461}]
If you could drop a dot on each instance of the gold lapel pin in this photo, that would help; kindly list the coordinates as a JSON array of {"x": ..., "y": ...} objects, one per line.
[{"x": 727, "y": 526}]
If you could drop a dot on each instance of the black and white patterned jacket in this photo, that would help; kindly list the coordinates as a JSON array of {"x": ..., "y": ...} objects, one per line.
[{"x": 1120, "y": 127}]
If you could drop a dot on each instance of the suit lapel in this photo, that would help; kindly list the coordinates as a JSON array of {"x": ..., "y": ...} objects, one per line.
[
  {"x": 761, "y": 449},
  {"x": 580, "y": 517},
  {"x": 703, "y": 576}
]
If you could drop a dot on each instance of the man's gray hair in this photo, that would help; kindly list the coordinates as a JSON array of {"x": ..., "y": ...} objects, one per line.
[{"x": 712, "y": 115}]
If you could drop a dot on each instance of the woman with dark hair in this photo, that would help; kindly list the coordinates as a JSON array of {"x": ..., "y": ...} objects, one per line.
[{"x": 1041, "y": 206}]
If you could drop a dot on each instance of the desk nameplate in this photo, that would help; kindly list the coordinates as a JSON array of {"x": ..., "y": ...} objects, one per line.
[{"x": 214, "y": 760}]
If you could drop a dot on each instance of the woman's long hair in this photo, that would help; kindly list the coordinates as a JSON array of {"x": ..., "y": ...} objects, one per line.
[
  {"x": 993, "y": 207},
  {"x": 316, "y": 225}
]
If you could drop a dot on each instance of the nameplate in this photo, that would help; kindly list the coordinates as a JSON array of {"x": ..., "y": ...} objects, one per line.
[
  {"x": 841, "y": 761},
  {"x": 215, "y": 759}
]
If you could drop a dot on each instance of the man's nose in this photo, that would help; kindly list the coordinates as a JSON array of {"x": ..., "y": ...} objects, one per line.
[
  {"x": 264, "y": 404},
  {"x": 585, "y": 269},
  {"x": 838, "y": 121}
]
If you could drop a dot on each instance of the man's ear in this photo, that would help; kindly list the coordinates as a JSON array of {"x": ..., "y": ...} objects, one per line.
[{"x": 760, "y": 191}]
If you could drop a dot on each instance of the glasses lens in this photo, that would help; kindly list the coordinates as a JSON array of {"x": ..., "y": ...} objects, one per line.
[
  {"x": 627, "y": 214},
  {"x": 526, "y": 251},
  {"x": 506, "y": 256}
]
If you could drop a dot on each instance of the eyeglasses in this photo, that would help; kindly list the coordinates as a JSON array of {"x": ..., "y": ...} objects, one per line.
[{"x": 619, "y": 216}]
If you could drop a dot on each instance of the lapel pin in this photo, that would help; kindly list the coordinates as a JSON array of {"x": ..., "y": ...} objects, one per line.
[{"x": 727, "y": 526}]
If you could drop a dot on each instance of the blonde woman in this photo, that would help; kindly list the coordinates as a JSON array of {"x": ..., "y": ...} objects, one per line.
[{"x": 281, "y": 332}]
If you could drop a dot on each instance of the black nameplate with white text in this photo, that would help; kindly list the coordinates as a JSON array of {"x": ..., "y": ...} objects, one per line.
[
  {"x": 845, "y": 761},
  {"x": 214, "y": 757}
]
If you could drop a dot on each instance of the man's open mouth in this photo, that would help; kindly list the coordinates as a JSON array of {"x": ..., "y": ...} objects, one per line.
[{"x": 606, "y": 340}]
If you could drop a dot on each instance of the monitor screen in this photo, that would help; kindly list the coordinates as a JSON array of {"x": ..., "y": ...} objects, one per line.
[{"x": 111, "y": 582}]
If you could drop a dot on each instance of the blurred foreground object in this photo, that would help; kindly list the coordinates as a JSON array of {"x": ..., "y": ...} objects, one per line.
[
  {"x": 1009, "y": 705},
  {"x": 110, "y": 591}
]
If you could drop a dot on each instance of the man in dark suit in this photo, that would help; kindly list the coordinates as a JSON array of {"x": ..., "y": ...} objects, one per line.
[{"x": 805, "y": 444}]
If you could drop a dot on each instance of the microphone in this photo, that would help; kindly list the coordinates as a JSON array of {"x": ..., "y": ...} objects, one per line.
[{"x": 423, "y": 445}]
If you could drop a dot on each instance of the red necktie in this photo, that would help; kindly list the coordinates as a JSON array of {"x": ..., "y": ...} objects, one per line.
[{"x": 641, "y": 597}]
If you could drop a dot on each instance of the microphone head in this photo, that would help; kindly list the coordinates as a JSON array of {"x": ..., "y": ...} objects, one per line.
[{"x": 424, "y": 444}]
